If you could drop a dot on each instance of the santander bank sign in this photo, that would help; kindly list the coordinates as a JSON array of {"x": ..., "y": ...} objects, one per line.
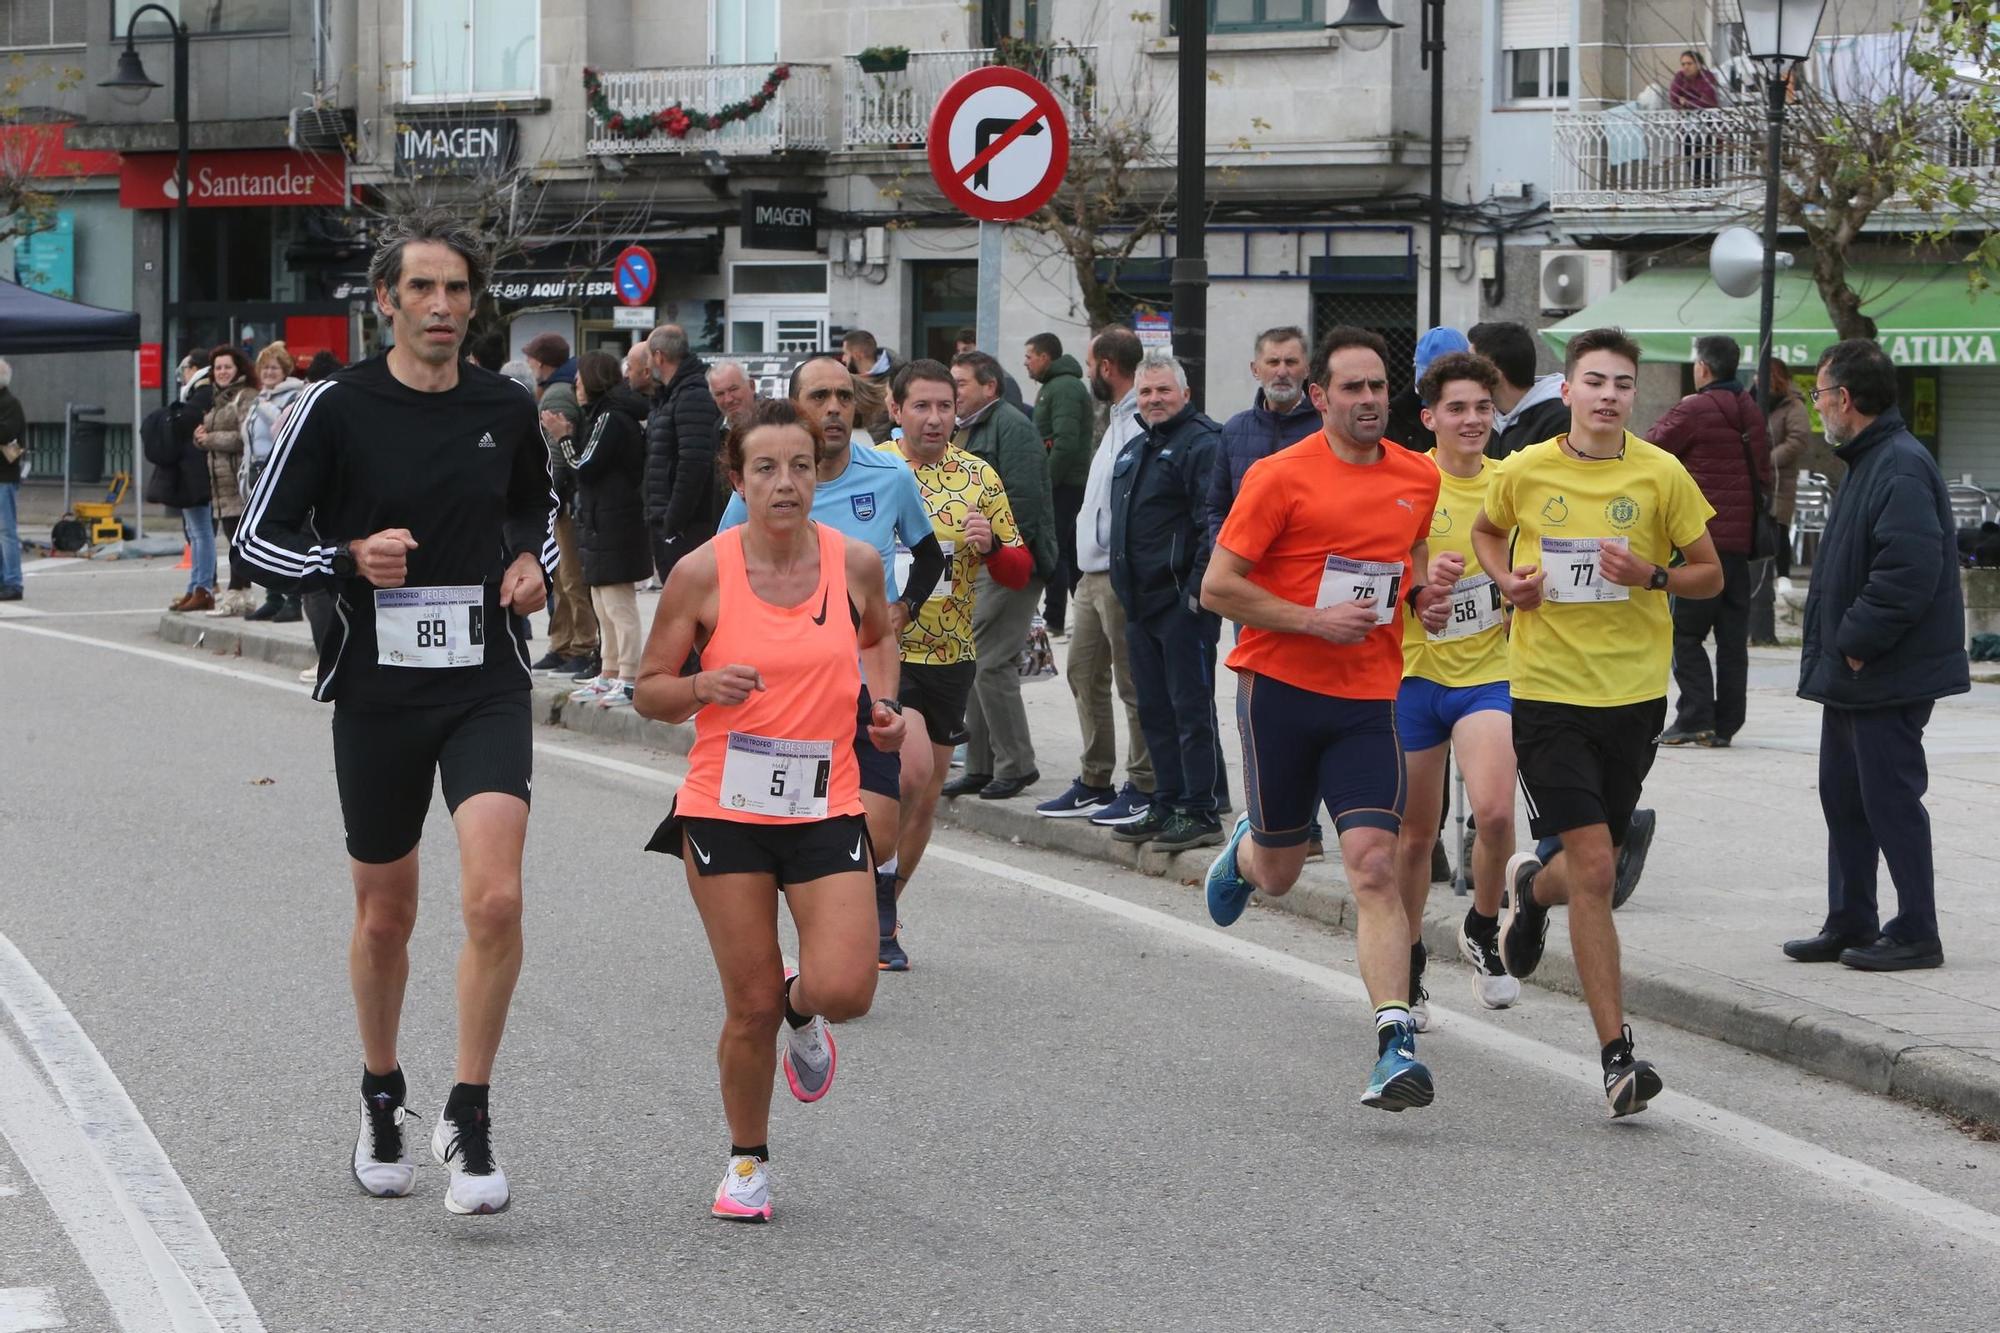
[{"x": 252, "y": 178}]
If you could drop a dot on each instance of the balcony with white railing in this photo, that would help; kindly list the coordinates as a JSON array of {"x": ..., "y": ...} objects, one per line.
[
  {"x": 1625, "y": 160},
  {"x": 797, "y": 117},
  {"x": 893, "y": 109}
]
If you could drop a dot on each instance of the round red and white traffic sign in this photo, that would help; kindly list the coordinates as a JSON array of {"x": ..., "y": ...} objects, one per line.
[{"x": 999, "y": 143}]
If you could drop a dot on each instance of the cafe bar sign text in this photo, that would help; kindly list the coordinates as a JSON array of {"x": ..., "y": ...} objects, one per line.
[{"x": 462, "y": 145}]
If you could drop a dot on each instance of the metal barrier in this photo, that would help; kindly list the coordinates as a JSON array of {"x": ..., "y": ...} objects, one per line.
[{"x": 45, "y": 449}]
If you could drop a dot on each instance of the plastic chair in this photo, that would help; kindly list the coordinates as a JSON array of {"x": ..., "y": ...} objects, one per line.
[{"x": 1809, "y": 510}]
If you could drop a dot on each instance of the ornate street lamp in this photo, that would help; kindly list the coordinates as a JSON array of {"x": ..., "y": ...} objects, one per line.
[
  {"x": 131, "y": 86},
  {"x": 1779, "y": 34}
]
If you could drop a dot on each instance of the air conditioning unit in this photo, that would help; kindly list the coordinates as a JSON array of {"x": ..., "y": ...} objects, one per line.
[
  {"x": 1573, "y": 279},
  {"x": 320, "y": 129}
]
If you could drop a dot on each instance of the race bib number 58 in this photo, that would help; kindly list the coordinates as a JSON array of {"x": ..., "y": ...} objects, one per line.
[{"x": 1575, "y": 570}]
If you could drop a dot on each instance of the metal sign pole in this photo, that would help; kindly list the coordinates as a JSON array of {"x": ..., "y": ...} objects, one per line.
[
  {"x": 987, "y": 326},
  {"x": 138, "y": 453},
  {"x": 69, "y": 421}
]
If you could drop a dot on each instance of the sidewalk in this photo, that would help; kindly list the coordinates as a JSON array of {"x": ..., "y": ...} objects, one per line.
[{"x": 1737, "y": 867}]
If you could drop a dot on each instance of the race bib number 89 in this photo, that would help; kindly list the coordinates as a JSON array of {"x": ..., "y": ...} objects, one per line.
[
  {"x": 430, "y": 627},
  {"x": 1347, "y": 580},
  {"x": 1574, "y": 567}
]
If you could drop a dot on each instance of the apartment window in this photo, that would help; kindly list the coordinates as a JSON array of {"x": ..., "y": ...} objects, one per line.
[
  {"x": 743, "y": 32},
  {"x": 1255, "y": 15},
  {"x": 472, "y": 48},
  {"x": 200, "y": 16},
  {"x": 40, "y": 23},
  {"x": 1534, "y": 51}
]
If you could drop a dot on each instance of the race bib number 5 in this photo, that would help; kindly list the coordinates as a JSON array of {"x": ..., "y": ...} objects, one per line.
[
  {"x": 1347, "y": 580},
  {"x": 1475, "y": 608},
  {"x": 764, "y": 775},
  {"x": 430, "y": 627},
  {"x": 1575, "y": 570}
]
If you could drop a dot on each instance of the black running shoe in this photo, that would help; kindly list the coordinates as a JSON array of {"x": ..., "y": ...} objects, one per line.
[
  {"x": 1524, "y": 923},
  {"x": 1632, "y": 855},
  {"x": 1629, "y": 1083}
]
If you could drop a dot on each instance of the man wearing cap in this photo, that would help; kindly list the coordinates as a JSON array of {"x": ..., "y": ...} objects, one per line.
[{"x": 1406, "y": 409}]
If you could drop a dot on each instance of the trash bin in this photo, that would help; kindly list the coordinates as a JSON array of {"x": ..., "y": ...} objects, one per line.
[{"x": 86, "y": 451}]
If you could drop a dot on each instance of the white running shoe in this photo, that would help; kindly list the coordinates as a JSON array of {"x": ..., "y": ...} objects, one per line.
[
  {"x": 309, "y": 676},
  {"x": 382, "y": 1151},
  {"x": 619, "y": 696},
  {"x": 745, "y": 1192},
  {"x": 478, "y": 1185},
  {"x": 593, "y": 689},
  {"x": 1490, "y": 983}
]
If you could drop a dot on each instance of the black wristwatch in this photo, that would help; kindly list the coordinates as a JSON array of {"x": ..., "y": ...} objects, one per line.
[
  {"x": 912, "y": 608},
  {"x": 1658, "y": 583},
  {"x": 893, "y": 705},
  {"x": 343, "y": 561}
]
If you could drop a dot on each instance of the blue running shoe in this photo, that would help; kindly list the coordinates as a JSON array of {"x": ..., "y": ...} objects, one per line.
[
  {"x": 1080, "y": 802},
  {"x": 1400, "y": 1081},
  {"x": 1228, "y": 892}
]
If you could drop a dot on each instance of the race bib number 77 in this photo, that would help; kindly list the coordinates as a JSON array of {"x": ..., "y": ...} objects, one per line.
[{"x": 1575, "y": 570}]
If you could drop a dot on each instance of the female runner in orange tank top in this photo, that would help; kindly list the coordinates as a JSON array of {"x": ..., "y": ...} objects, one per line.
[{"x": 772, "y": 801}]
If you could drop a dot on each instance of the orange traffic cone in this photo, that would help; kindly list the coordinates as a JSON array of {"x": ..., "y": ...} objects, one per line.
[{"x": 187, "y": 557}]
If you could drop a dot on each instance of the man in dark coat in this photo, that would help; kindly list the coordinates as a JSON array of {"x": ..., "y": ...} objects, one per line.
[
  {"x": 1718, "y": 434},
  {"x": 1159, "y": 487},
  {"x": 1063, "y": 418},
  {"x": 682, "y": 435},
  {"x": 1884, "y": 640}
]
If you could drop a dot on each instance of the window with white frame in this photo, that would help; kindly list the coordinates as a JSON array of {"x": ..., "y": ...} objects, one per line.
[
  {"x": 460, "y": 49},
  {"x": 26, "y": 23},
  {"x": 1534, "y": 52}
]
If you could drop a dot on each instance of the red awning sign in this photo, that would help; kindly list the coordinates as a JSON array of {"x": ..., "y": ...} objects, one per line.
[
  {"x": 999, "y": 144},
  {"x": 252, "y": 178}
]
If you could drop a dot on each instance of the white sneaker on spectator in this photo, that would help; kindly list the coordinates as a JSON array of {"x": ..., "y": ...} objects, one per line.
[{"x": 593, "y": 689}]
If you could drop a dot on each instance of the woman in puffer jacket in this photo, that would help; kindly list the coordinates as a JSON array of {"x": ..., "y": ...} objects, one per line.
[
  {"x": 609, "y": 457},
  {"x": 278, "y": 388},
  {"x": 220, "y": 438}
]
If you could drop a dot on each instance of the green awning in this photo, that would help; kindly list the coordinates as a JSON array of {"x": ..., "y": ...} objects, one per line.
[{"x": 1924, "y": 315}]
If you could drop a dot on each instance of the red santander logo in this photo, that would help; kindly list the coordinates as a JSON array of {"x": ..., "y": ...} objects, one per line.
[{"x": 257, "y": 178}]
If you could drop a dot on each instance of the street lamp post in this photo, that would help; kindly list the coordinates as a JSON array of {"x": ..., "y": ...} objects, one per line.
[
  {"x": 131, "y": 86},
  {"x": 1190, "y": 270},
  {"x": 1364, "y": 27},
  {"x": 1779, "y": 34}
]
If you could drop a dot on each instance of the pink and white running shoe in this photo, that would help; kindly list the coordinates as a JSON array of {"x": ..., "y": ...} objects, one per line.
[
  {"x": 809, "y": 1055},
  {"x": 745, "y": 1192}
]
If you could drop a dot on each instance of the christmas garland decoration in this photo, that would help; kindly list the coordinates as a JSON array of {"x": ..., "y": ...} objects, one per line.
[{"x": 675, "y": 119}]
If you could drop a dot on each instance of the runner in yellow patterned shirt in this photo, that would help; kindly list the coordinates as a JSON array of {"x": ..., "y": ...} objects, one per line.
[{"x": 975, "y": 525}]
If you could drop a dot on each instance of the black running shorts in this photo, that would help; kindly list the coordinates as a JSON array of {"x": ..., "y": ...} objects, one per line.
[
  {"x": 385, "y": 762},
  {"x": 940, "y": 693},
  {"x": 1582, "y": 766},
  {"x": 881, "y": 770},
  {"x": 790, "y": 853},
  {"x": 1302, "y": 749}
]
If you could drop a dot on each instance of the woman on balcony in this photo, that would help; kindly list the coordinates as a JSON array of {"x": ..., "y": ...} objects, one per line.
[{"x": 1695, "y": 88}]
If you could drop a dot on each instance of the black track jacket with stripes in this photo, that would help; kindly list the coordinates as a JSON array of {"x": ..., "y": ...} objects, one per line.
[{"x": 466, "y": 471}]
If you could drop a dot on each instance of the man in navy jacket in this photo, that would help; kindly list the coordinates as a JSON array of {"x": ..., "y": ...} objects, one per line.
[
  {"x": 1158, "y": 555},
  {"x": 1884, "y": 640}
]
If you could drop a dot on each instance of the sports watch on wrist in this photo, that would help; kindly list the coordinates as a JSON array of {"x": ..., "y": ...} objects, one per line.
[
  {"x": 1658, "y": 583},
  {"x": 343, "y": 561},
  {"x": 893, "y": 705}
]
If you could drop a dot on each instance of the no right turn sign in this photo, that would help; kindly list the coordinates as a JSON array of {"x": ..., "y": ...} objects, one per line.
[{"x": 999, "y": 144}]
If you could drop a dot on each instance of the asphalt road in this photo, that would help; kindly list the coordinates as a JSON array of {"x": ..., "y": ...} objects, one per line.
[{"x": 1085, "y": 1108}]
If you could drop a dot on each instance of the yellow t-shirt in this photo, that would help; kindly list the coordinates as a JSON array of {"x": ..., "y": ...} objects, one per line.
[
  {"x": 954, "y": 486},
  {"x": 1474, "y": 649},
  {"x": 1593, "y": 653}
]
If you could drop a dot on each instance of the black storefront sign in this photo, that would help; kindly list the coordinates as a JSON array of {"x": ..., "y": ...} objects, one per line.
[
  {"x": 777, "y": 221},
  {"x": 460, "y": 146}
]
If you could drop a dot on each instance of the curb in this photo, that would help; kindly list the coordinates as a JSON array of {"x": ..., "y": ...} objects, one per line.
[{"x": 1812, "y": 1037}]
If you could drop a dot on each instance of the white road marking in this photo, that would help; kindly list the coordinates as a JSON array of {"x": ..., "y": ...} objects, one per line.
[
  {"x": 189, "y": 1272},
  {"x": 1693, "y": 1112},
  {"x": 24, "y": 1309},
  {"x": 15, "y": 611},
  {"x": 1810, "y": 1158}
]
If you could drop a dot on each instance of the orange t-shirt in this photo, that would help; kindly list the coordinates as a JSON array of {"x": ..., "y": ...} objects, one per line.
[
  {"x": 803, "y": 718},
  {"x": 1303, "y": 504}
]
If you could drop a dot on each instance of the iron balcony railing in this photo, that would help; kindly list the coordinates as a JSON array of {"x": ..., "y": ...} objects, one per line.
[
  {"x": 893, "y": 110},
  {"x": 797, "y": 118},
  {"x": 1631, "y": 160}
]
